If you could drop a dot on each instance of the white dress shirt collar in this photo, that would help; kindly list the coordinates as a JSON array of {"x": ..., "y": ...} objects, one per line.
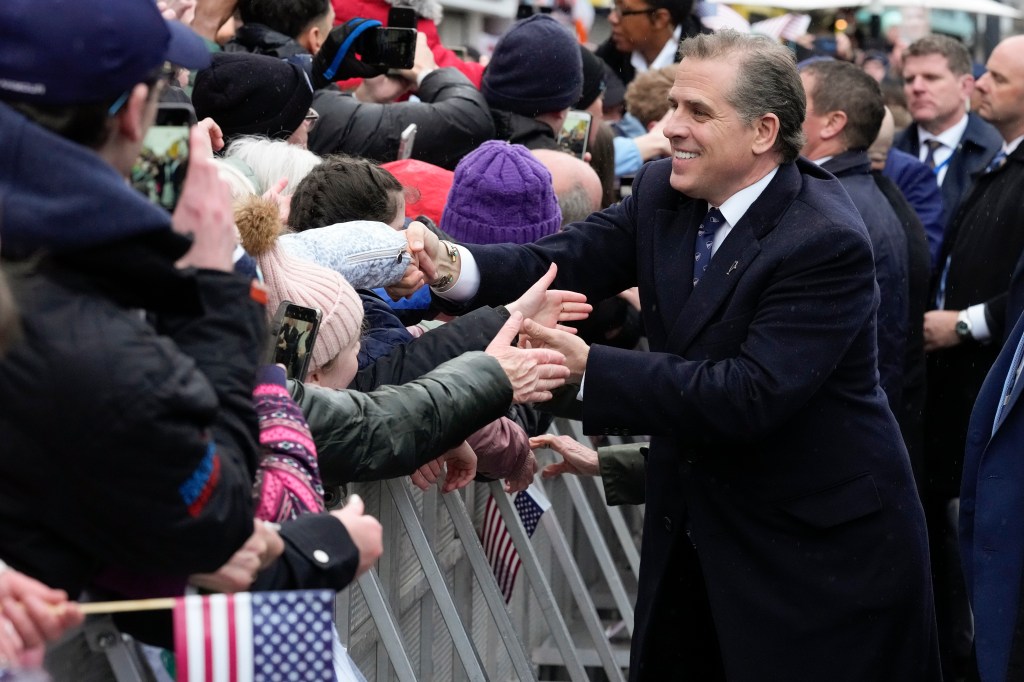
[
  {"x": 666, "y": 57},
  {"x": 736, "y": 206}
]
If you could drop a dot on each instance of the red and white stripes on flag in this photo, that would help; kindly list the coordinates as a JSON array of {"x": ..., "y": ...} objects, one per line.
[
  {"x": 530, "y": 504},
  {"x": 255, "y": 637}
]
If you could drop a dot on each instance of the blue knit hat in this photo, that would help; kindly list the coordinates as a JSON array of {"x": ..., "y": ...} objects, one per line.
[
  {"x": 501, "y": 193},
  {"x": 536, "y": 68}
]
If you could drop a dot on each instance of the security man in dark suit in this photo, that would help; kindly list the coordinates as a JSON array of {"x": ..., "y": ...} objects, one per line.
[
  {"x": 844, "y": 113},
  {"x": 957, "y": 145},
  {"x": 783, "y": 538}
]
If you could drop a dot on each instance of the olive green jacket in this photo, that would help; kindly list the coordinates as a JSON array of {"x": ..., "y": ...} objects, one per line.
[
  {"x": 393, "y": 430},
  {"x": 623, "y": 470}
]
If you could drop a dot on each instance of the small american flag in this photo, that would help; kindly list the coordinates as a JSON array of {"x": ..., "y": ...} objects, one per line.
[
  {"x": 255, "y": 637},
  {"x": 530, "y": 504}
]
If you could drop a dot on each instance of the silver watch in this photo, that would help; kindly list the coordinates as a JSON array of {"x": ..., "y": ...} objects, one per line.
[{"x": 963, "y": 326}]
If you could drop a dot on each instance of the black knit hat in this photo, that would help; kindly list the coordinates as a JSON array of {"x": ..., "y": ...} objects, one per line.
[
  {"x": 251, "y": 94},
  {"x": 535, "y": 69},
  {"x": 593, "y": 78}
]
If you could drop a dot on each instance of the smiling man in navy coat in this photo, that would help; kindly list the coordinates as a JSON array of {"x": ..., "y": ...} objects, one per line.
[{"x": 783, "y": 538}]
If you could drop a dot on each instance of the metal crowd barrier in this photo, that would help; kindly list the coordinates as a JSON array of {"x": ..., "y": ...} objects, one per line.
[{"x": 406, "y": 650}]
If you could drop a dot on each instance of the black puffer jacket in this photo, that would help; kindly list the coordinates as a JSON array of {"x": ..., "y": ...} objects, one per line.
[
  {"x": 452, "y": 117},
  {"x": 125, "y": 444}
]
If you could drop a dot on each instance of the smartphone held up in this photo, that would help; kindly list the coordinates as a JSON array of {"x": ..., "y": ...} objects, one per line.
[
  {"x": 292, "y": 336},
  {"x": 575, "y": 133},
  {"x": 159, "y": 172}
]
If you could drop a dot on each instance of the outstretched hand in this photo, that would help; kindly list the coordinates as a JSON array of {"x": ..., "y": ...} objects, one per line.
[
  {"x": 366, "y": 532},
  {"x": 238, "y": 574},
  {"x": 427, "y": 475},
  {"x": 533, "y": 372},
  {"x": 574, "y": 349},
  {"x": 460, "y": 463},
  {"x": 549, "y": 307},
  {"x": 576, "y": 459},
  {"x": 423, "y": 247}
]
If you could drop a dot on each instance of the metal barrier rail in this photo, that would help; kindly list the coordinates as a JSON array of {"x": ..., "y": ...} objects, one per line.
[{"x": 379, "y": 587}]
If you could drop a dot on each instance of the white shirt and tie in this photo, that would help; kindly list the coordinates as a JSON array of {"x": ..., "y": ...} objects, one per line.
[
  {"x": 945, "y": 144},
  {"x": 733, "y": 209}
]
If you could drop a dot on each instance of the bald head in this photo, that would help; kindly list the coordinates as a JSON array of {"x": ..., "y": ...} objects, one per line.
[
  {"x": 1000, "y": 90},
  {"x": 576, "y": 184},
  {"x": 879, "y": 149}
]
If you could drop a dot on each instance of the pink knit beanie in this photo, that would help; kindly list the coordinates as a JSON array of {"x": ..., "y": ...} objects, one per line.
[{"x": 299, "y": 281}]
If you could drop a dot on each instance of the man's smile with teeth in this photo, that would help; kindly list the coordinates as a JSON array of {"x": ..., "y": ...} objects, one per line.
[{"x": 686, "y": 155}]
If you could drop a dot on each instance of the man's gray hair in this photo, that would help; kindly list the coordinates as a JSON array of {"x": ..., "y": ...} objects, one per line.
[
  {"x": 767, "y": 82},
  {"x": 575, "y": 204}
]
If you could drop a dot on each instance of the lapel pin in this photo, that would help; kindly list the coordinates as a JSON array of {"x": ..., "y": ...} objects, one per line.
[{"x": 732, "y": 267}]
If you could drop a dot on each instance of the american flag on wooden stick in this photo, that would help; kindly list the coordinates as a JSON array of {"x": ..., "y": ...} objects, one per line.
[
  {"x": 530, "y": 505},
  {"x": 255, "y": 637}
]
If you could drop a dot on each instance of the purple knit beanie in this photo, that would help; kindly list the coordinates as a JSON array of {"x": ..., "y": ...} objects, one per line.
[{"x": 501, "y": 193}]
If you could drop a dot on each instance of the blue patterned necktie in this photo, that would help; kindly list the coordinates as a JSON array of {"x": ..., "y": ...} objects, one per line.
[
  {"x": 997, "y": 161},
  {"x": 705, "y": 240},
  {"x": 933, "y": 146}
]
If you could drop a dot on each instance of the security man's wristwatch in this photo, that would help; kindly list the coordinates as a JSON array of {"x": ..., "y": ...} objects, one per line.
[{"x": 963, "y": 326}]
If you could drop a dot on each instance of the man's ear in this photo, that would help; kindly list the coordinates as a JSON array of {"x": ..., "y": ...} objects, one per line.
[
  {"x": 767, "y": 132},
  {"x": 313, "y": 378},
  {"x": 134, "y": 118},
  {"x": 967, "y": 85},
  {"x": 661, "y": 18},
  {"x": 311, "y": 39},
  {"x": 835, "y": 126}
]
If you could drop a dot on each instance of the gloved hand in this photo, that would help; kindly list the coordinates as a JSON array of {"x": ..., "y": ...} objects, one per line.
[{"x": 337, "y": 59}]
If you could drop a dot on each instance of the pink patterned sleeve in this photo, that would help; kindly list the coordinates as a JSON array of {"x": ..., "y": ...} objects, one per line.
[{"x": 288, "y": 479}]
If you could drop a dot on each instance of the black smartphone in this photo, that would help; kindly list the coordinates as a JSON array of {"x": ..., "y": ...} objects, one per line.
[
  {"x": 575, "y": 132},
  {"x": 159, "y": 172},
  {"x": 393, "y": 48},
  {"x": 292, "y": 335}
]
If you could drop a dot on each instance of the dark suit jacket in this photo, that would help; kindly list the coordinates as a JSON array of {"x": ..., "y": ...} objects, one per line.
[
  {"x": 776, "y": 469},
  {"x": 889, "y": 245},
  {"x": 979, "y": 144},
  {"x": 983, "y": 244},
  {"x": 911, "y": 413},
  {"x": 992, "y": 519},
  {"x": 917, "y": 183}
]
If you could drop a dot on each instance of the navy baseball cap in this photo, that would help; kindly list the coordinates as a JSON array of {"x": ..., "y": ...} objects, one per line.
[{"x": 66, "y": 52}]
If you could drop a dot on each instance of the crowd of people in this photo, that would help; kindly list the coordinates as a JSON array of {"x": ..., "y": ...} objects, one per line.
[{"x": 832, "y": 307}]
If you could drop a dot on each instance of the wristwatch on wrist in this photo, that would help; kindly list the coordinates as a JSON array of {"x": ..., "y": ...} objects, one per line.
[
  {"x": 963, "y": 326},
  {"x": 443, "y": 284}
]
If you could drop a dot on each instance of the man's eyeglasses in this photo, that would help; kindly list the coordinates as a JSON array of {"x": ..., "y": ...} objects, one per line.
[
  {"x": 620, "y": 12},
  {"x": 162, "y": 75},
  {"x": 311, "y": 119}
]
